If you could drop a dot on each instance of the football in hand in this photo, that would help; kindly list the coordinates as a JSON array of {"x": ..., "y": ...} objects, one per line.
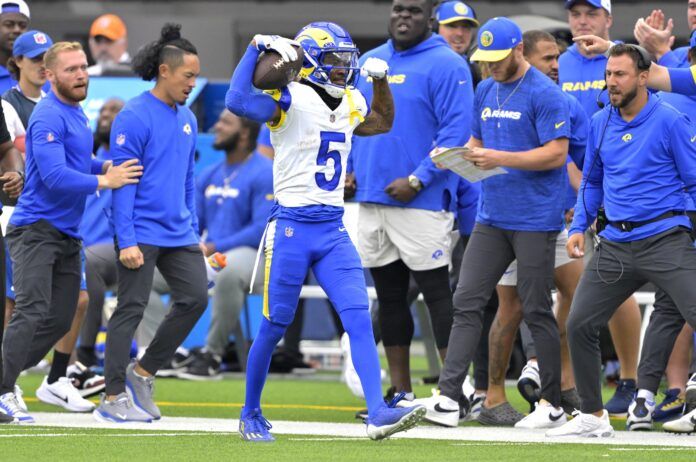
[{"x": 272, "y": 72}]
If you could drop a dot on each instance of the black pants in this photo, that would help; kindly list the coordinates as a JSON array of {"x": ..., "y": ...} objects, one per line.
[
  {"x": 489, "y": 252},
  {"x": 616, "y": 270},
  {"x": 46, "y": 278},
  {"x": 184, "y": 270}
]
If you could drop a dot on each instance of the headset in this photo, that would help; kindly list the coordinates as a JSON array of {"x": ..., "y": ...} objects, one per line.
[{"x": 644, "y": 62}]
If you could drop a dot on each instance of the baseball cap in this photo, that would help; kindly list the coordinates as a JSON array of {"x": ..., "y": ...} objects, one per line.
[
  {"x": 31, "y": 44},
  {"x": 15, "y": 6},
  {"x": 606, "y": 4},
  {"x": 108, "y": 25},
  {"x": 496, "y": 39},
  {"x": 449, "y": 12}
]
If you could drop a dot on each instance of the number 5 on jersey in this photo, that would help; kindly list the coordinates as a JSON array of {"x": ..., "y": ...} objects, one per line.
[{"x": 323, "y": 157}]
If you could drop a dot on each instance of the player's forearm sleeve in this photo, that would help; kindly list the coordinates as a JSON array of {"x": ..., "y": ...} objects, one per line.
[
  {"x": 242, "y": 99},
  {"x": 683, "y": 80}
]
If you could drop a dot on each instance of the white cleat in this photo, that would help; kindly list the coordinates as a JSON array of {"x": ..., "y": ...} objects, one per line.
[
  {"x": 585, "y": 426},
  {"x": 440, "y": 410},
  {"x": 62, "y": 393},
  {"x": 544, "y": 416},
  {"x": 19, "y": 396},
  {"x": 684, "y": 424}
]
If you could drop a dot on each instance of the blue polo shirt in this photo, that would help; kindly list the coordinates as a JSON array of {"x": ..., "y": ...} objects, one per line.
[
  {"x": 579, "y": 126},
  {"x": 640, "y": 172},
  {"x": 60, "y": 171},
  {"x": 537, "y": 112},
  {"x": 161, "y": 209},
  {"x": 234, "y": 201},
  {"x": 583, "y": 78}
]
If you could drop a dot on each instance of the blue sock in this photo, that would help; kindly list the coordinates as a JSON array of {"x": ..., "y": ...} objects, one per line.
[
  {"x": 259, "y": 361},
  {"x": 358, "y": 325}
]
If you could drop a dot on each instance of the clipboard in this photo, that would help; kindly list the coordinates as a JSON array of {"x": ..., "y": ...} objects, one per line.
[{"x": 452, "y": 160}]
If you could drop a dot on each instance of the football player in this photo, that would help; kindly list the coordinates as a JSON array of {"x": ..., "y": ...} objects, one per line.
[{"x": 312, "y": 122}]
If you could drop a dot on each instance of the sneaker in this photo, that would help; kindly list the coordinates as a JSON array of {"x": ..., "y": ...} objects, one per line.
[
  {"x": 570, "y": 401},
  {"x": 502, "y": 415},
  {"x": 617, "y": 406},
  {"x": 10, "y": 406},
  {"x": 640, "y": 415},
  {"x": 529, "y": 383},
  {"x": 87, "y": 382},
  {"x": 690, "y": 396},
  {"x": 181, "y": 360},
  {"x": 440, "y": 409},
  {"x": 388, "y": 420},
  {"x": 7, "y": 419},
  {"x": 475, "y": 405},
  {"x": 120, "y": 410},
  {"x": 19, "y": 396},
  {"x": 205, "y": 366},
  {"x": 684, "y": 424},
  {"x": 670, "y": 408},
  {"x": 254, "y": 427},
  {"x": 584, "y": 425},
  {"x": 62, "y": 393},
  {"x": 141, "y": 390},
  {"x": 544, "y": 416}
]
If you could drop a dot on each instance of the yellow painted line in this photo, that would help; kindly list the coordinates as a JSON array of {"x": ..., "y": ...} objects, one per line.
[{"x": 308, "y": 407}]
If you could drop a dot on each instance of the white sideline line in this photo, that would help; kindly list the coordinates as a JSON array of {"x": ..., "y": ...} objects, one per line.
[
  {"x": 314, "y": 429},
  {"x": 92, "y": 435}
]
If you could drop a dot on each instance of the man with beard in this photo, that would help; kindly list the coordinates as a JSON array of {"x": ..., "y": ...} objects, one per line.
[
  {"x": 456, "y": 22},
  {"x": 14, "y": 20},
  {"x": 43, "y": 235},
  {"x": 405, "y": 201},
  {"x": 521, "y": 123},
  {"x": 233, "y": 201},
  {"x": 641, "y": 158},
  {"x": 156, "y": 225},
  {"x": 108, "y": 45}
]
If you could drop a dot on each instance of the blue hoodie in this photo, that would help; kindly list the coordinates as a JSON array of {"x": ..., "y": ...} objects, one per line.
[
  {"x": 433, "y": 97},
  {"x": 641, "y": 171},
  {"x": 233, "y": 201},
  {"x": 583, "y": 78}
]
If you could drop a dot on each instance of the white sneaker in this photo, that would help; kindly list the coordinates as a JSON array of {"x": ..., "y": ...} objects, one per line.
[
  {"x": 475, "y": 405},
  {"x": 62, "y": 393},
  {"x": 10, "y": 406},
  {"x": 529, "y": 383},
  {"x": 350, "y": 375},
  {"x": 440, "y": 410},
  {"x": 468, "y": 389},
  {"x": 19, "y": 396},
  {"x": 544, "y": 416},
  {"x": 585, "y": 425},
  {"x": 640, "y": 415},
  {"x": 690, "y": 396},
  {"x": 684, "y": 424}
]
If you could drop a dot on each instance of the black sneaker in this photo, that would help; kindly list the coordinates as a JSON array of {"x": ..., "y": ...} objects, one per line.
[
  {"x": 182, "y": 358},
  {"x": 205, "y": 366},
  {"x": 87, "y": 382}
]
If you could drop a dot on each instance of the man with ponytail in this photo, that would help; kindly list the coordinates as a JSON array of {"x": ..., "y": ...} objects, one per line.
[{"x": 156, "y": 225}]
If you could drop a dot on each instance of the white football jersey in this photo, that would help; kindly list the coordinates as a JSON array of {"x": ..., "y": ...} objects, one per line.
[{"x": 312, "y": 144}]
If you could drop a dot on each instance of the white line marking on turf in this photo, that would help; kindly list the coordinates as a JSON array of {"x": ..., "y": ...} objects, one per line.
[
  {"x": 92, "y": 435},
  {"x": 326, "y": 439},
  {"x": 315, "y": 429},
  {"x": 652, "y": 449}
]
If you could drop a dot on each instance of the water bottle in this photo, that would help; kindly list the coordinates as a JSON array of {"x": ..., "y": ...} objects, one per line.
[{"x": 213, "y": 265}]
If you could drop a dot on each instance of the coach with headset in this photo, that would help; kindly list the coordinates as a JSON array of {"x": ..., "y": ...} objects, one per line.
[{"x": 641, "y": 155}]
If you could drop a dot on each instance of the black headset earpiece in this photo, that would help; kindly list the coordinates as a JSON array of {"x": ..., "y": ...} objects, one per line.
[{"x": 645, "y": 60}]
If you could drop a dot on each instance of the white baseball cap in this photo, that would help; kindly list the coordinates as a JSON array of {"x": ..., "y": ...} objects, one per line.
[{"x": 15, "y": 6}]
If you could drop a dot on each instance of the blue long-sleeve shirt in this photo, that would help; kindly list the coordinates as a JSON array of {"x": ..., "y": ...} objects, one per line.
[
  {"x": 675, "y": 58},
  {"x": 583, "y": 78},
  {"x": 433, "y": 95},
  {"x": 60, "y": 171},
  {"x": 683, "y": 80},
  {"x": 234, "y": 201},
  {"x": 161, "y": 209},
  {"x": 640, "y": 172},
  {"x": 95, "y": 227}
]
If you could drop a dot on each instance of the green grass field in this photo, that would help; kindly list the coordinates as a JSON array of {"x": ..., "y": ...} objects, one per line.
[{"x": 284, "y": 399}]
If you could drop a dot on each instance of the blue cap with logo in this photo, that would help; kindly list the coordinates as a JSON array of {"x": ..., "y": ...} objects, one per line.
[
  {"x": 31, "y": 44},
  {"x": 496, "y": 39},
  {"x": 606, "y": 4},
  {"x": 453, "y": 11}
]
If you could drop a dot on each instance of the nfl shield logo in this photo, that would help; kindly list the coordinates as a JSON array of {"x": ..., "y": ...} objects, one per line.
[
  {"x": 120, "y": 139},
  {"x": 289, "y": 231},
  {"x": 40, "y": 38},
  {"x": 50, "y": 137}
]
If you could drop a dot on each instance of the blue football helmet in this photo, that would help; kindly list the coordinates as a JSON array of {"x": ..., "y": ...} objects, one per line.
[{"x": 327, "y": 47}]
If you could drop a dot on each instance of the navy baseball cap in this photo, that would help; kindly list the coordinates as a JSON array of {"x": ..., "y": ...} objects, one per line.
[
  {"x": 496, "y": 39},
  {"x": 606, "y": 4},
  {"x": 453, "y": 11},
  {"x": 31, "y": 44}
]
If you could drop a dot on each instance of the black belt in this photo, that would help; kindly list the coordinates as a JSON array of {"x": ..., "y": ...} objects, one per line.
[{"x": 627, "y": 226}]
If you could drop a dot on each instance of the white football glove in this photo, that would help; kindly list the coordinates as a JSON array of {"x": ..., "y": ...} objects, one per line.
[
  {"x": 375, "y": 68},
  {"x": 283, "y": 46}
]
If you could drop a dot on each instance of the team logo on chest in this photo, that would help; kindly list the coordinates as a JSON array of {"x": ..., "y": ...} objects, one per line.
[
  {"x": 289, "y": 231},
  {"x": 187, "y": 129}
]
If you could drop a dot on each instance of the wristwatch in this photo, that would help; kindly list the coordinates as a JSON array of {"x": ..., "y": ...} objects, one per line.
[{"x": 415, "y": 183}]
